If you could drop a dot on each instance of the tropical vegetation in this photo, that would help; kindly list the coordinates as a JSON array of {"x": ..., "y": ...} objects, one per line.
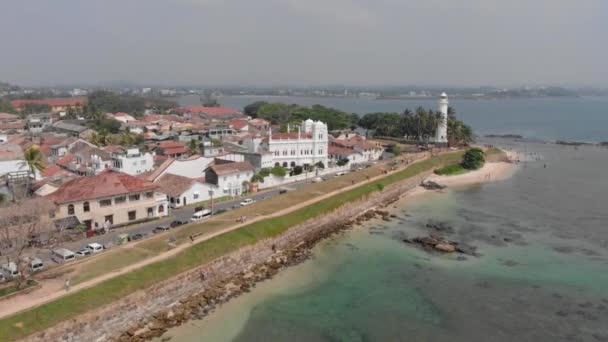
[
  {"x": 473, "y": 159},
  {"x": 283, "y": 114}
]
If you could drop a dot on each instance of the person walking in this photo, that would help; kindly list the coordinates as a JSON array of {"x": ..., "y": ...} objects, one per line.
[{"x": 67, "y": 285}]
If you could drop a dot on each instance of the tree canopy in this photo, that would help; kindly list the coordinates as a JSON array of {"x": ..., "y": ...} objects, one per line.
[
  {"x": 6, "y": 107},
  {"x": 106, "y": 101},
  {"x": 473, "y": 159},
  {"x": 419, "y": 125},
  {"x": 253, "y": 108},
  {"x": 282, "y": 114}
]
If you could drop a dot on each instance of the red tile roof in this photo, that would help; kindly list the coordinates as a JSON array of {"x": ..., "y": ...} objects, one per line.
[
  {"x": 212, "y": 111},
  {"x": 53, "y": 170},
  {"x": 7, "y": 116},
  {"x": 174, "y": 185},
  {"x": 171, "y": 144},
  {"x": 238, "y": 123},
  {"x": 228, "y": 168},
  {"x": 339, "y": 151},
  {"x": 159, "y": 170},
  {"x": 59, "y": 102},
  {"x": 66, "y": 160},
  {"x": 174, "y": 150},
  {"x": 103, "y": 185}
]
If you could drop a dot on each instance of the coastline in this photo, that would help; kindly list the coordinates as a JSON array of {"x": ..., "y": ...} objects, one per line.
[
  {"x": 490, "y": 172},
  {"x": 292, "y": 257}
]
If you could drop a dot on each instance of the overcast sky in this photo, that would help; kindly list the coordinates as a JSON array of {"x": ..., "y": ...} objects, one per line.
[{"x": 305, "y": 42}]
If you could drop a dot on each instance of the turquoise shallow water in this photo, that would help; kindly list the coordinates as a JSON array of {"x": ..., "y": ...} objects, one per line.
[{"x": 542, "y": 276}]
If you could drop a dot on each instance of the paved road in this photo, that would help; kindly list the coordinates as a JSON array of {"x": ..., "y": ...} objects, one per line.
[{"x": 181, "y": 214}]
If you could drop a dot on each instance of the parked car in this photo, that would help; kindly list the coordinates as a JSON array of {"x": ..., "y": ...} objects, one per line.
[
  {"x": 10, "y": 270},
  {"x": 199, "y": 215},
  {"x": 161, "y": 229},
  {"x": 83, "y": 252},
  {"x": 177, "y": 223},
  {"x": 317, "y": 180},
  {"x": 136, "y": 236},
  {"x": 201, "y": 208},
  {"x": 62, "y": 255},
  {"x": 246, "y": 201},
  {"x": 95, "y": 247},
  {"x": 36, "y": 265},
  {"x": 2, "y": 278}
]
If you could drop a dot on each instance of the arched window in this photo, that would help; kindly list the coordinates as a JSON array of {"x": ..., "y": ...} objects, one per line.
[
  {"x": 70, "y": 209},
  {"x": 284, "y": 164},
  {"x": 161, "y": 209},
  {"x": 85, "y": 207}
]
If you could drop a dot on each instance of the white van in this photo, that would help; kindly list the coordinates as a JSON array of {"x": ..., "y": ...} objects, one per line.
[
  {"x": 10, "y": 270},
  {"x": 62, "y": 255},
  {"x": 36, "y": 265},
  {"x": 95, "y": 247},
  {"x": 199, "y": 215}
]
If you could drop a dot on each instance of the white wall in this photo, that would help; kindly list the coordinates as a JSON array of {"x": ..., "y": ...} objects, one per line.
[
  {"x": 189, "y": 168},
  {"x": 202, "y": 189},
  {"x": 272, "y": 181},
  {"x": 135, "y": 165},
  {"x": 232, "y": 185}
]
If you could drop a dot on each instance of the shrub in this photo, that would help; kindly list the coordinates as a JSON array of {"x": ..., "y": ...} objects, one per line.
[
  {"x": 473, "y": 159},
  {"x": 454, "y": 169},
  {"x": 342, "y": 161}
]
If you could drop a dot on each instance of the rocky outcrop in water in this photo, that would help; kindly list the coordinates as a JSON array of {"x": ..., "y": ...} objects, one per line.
[
  {"x": 437, "y": 243},
  {"x": 430, "y": 185}
]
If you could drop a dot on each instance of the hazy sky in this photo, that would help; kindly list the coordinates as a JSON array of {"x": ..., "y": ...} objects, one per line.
[{"x": 302, "y": 42}]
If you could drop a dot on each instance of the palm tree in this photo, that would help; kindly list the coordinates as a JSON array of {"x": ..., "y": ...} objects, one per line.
[
  {"x": 35, "y": 162},
  {"x": 34, "y": 159},
  {"x": 193, "y": 147}
]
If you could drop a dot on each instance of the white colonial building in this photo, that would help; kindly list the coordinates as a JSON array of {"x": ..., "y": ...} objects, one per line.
[
  {"x": 132, "y": 161},
  {"x": 307, "y": 146}
]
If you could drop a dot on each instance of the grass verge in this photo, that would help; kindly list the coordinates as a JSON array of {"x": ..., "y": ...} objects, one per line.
[
  {"x": 13, "y": 288},
  {"x": 451, "y": 170},
  {"x": 42, "y": 317}
]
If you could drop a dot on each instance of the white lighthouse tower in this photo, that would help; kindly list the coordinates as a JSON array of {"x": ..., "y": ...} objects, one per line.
[{"x": 441, "y": 136}]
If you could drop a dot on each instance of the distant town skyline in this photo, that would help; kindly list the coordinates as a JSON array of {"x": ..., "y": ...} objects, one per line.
[{"x": 305, "y": 43}]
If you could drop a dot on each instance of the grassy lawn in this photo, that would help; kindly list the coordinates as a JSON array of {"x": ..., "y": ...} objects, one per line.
[
  {"x": 44, "y": 316},
  {"x": 206, "y": 202},
  {"x": 451, "y": 170},
  {"x": 109, "y": 262},
  {"x": 5, "y": 291}
]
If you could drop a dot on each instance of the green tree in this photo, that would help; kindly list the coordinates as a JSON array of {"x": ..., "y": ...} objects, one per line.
[
  {"x": 473, "y": 159},
  {"x": 253, "y": 108},
  {"x": 6, "y": 107},
  {"x": 33, "y": 108},
  {"x": 127, "y": 139},
  {"x": 342, "y": 161},
  {"x": 193, "y": 147},
  {"x": 320, "y": 165},
  {"x": 109, "y": 125},
  {"x": 278, "y": 171},
  {"x": 458, "y": 132},
  {"x": 34, "y": 160},
  {"x": 396, "y": 150}
]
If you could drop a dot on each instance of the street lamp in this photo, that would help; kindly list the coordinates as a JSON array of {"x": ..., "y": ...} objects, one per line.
[{"x": 211, "y": 196}]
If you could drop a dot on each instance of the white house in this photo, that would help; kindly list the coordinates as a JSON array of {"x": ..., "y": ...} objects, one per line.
[
  {"x": 193, "y": 167},
  {"x": 229, "y": 177},
  {"x": 307, "y": 146},
  {"x": 182, "y": 190},
  {"x": 123, "y": 117},
  {"x": 132, "y": 161},
  {"x": 337, "y": 153}
]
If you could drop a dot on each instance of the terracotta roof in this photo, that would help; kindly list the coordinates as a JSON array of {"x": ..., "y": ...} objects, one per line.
[
  {"x": 213, "y": 111},
  {"x": 174, "y": 185},
  {"x": 59, "y": 102},
  {"x": 12, "y": 125},
  {"x": 228, "y": 168},
  {"x": 66, "y": 160},
  {"x": 238, "y": 123},
  {"x": 103, "y": 185},
  {"x": 174, "y": 150},
  {"x": 113, "y": 148},
  {"x": 159, "y": 170},
  {"x": 171, "y": 144},
  {"x": 8, "y": 116},
  {"x": 340, "y": 151},
  {"x": 52, "y": 171}
]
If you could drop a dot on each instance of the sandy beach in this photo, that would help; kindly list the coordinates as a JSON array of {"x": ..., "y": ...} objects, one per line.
[{"x": 490, "y": 172}]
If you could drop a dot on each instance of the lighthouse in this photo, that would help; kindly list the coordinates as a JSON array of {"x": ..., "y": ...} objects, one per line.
[{"x": 441, "y": 136}]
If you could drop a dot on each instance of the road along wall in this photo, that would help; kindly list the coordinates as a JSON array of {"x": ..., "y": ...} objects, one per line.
[{"x": 193, "y": 294}]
